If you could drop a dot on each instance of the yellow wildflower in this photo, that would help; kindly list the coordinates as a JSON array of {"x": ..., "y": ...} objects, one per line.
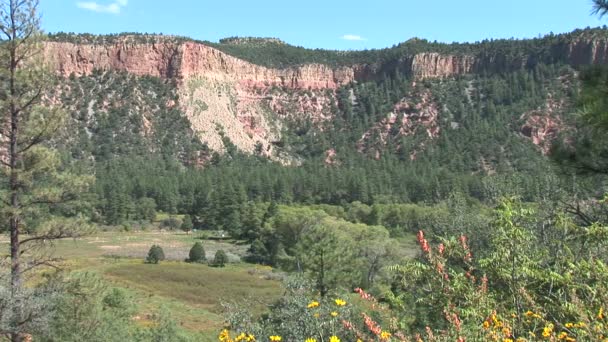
[
  {"x": 507, "y": 340},
  {"x": 600, "y": 314},
  {"x": 547, "y": 330},
  {"x": 224, "y": 336},
  {"x": 275, "y": 338},
  {"x": 334, "y": 314},
  {"x": 311, "y": 340},
  {"x": 486, "y": 324},
  {"x": 340, "y": 302},
  {"x": 506, "y": 331},
  {"x": 250, "y": 338},
  {"x": 562, "y": 335},
  {"x": 529, "y": 313},
  {"x": 241, "y": 337},
  {"x": 313, "y": 304},
  {"x": 385, "y": 335},
  {"x": 334, "y": 339},
  {"x": 569, "y": 325}
]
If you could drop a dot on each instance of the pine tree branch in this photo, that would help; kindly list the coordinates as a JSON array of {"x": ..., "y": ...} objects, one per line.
[{"x": 600, "y": 7}]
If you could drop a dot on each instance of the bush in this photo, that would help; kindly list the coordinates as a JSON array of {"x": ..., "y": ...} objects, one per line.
[
  {"x": 187, "y": 224},
  {"x": 197, "y": 253},
  {"x": 171, "y": 223},
  {"x": 155, "y": 255},
  {"x": 220, "y": 259}
]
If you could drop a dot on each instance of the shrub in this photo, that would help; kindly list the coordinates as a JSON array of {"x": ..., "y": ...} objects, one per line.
[
  {"x": 197, "y": 253},
  {"x": 155, "y": 255},
  {"x": 171, "y": 223},
  {"x": 220, "y": 259},
  {"x": 187, "y": 224}
]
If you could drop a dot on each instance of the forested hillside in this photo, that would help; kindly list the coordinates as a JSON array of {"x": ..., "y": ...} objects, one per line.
[{"x": 394, "y": 139}]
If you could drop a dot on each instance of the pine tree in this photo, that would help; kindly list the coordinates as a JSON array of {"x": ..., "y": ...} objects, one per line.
[
  {"x": 32, "y": 183},
  {"x": 220, "y": 258},
  {"x": 197, "y": 253},
  {"x": 600, "y": 7},
  {"x": 155, "y": 255},
  {"x": 187, "y": 224}
]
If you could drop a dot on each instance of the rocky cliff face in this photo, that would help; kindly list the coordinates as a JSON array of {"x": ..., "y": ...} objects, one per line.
[
  {"x": 425, "y": 65},
  {"x": 169, "y": 59},
  {"x": 200, "y": 60},
  {"x": 159, "y": 59},
  {"x": 415, "y": 112},
  {"x": 225, "y": 97},
  {"x": 185, "y": 60},
  {"x": 584, "y": 52},
  {"x": 544, "y": 124}
]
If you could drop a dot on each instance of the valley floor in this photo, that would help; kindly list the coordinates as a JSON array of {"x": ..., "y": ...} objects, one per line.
[{"x": 192, "y": 293}]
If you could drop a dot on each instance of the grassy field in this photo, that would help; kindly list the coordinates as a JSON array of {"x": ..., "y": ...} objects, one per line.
[
  {"x": 192, "y": 293},
  {"x": 176, "y": 245},
  {"x": 199, "y": 285}
]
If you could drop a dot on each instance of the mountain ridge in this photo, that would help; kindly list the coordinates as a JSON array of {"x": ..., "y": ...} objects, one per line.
[{"x": 226, "y": 97}]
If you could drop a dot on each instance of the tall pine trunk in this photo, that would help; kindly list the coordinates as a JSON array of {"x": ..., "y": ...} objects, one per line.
[{"x": 14, "y": 219}]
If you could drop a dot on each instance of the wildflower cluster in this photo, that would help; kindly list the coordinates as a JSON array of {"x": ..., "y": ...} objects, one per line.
[
  {"x": 242, "y": 337},
  {"x": 460, "y": 291},
  {"x": 498, "y": 329}
]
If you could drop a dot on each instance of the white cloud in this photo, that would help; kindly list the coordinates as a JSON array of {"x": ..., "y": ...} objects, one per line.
[
  {"x": 113, "y": 8},
  {"x": 353, "y": 37}
]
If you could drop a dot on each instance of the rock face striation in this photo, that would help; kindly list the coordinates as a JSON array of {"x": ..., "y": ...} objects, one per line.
[
  {"x": 226, "y": 97},
  {"x": 182, "y": 61}
]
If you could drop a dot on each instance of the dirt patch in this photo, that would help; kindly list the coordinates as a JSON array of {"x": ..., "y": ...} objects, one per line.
[{"x": 109, "y": 247}]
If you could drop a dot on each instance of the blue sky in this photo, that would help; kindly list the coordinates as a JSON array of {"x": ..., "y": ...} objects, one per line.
[{"x": 331, "y": 24}]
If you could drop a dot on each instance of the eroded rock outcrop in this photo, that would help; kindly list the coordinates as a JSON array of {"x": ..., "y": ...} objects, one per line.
[
  {"x": 184, "y": 60},
  {"x": 585, "y": 52},
  {"x": 223, "y": 96},
  {"x": 544, "y": 124},
  {"x": 415, "y": 112},
  {"x": 160, "y": 59},
  {"x": 429, "y": 65}
]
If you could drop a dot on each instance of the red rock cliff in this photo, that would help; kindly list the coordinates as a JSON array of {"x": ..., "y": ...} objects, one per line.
[
  {"x": 168, "y": 59},
  {"x": 173, "y": 60},
  {"x": 159, "y": 59},
  {"x": 425, "y": 65}
]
